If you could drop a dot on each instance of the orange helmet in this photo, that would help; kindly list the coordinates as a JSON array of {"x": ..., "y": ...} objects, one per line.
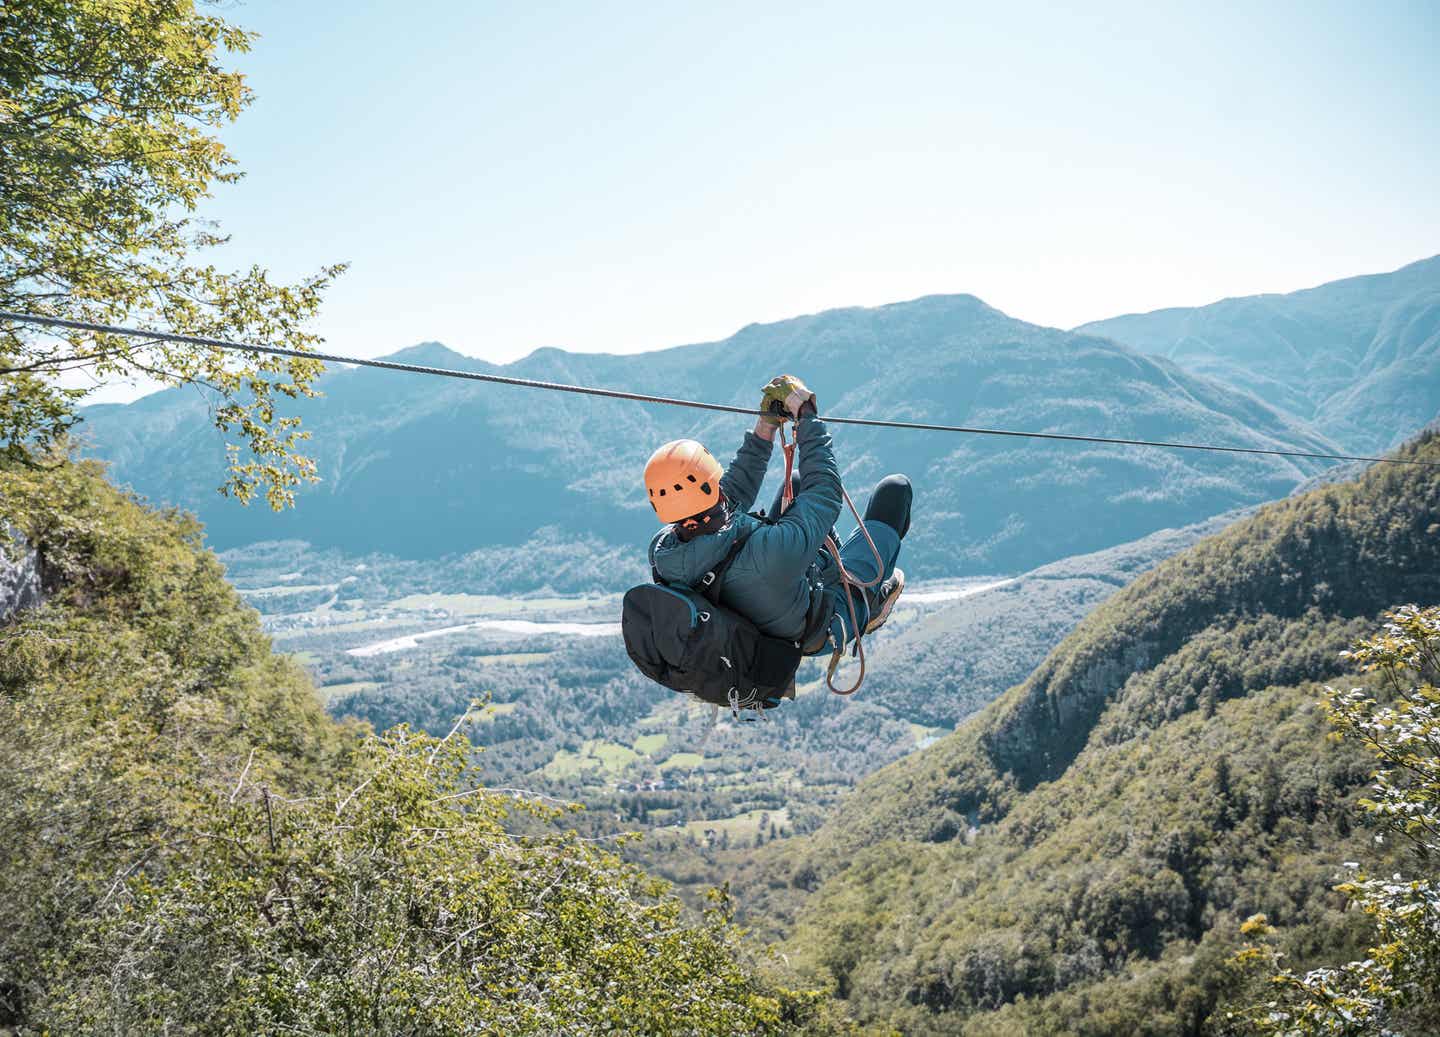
[{"x": 683, "y": 480}]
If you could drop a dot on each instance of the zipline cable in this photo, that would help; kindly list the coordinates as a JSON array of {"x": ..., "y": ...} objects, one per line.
[{"x": 669, "y": 401}]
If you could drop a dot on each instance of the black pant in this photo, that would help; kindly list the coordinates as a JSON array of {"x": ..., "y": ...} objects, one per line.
[{"x": 889, "y": 502}]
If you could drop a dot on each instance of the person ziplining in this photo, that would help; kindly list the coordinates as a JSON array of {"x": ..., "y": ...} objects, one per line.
[{"x": 737, "y": 599}]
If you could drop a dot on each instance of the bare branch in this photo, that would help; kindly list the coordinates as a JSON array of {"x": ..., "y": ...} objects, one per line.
[{"x": 238, "y": 784}]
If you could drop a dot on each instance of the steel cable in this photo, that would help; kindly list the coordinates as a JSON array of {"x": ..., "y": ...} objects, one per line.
[{"x": 669, "y": 401}]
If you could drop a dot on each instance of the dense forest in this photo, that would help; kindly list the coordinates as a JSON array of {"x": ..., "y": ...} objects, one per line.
[
  {"x": 1081, "y": 855},
  {"x": 190, "y": 844},
  {"x": 954, "y": 662}
]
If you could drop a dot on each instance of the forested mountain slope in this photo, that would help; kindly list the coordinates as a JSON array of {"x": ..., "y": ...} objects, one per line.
[
  {"x": 1090, "y": 841},
  {"x": 1359, "y": 357},
  {"x": 188, "y": 844},
  {"x": 425, "y": 467},
  {"x": 960, "y": 658}
]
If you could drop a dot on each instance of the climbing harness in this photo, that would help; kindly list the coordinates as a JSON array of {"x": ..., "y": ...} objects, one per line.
[
  {"x": 617, "y": 394},
  {"x": 787, "y": 497}
]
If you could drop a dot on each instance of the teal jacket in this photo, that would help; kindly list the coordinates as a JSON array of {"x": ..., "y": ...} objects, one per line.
[{"x": 779, "y": 571}]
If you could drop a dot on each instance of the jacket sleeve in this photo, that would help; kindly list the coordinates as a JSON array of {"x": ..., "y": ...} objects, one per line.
[
  {"x": 789, "y": 546},
  {"x": 741, "y": 481}
]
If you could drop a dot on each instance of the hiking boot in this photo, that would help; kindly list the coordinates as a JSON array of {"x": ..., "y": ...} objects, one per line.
[{"x": 882, "y": 599}]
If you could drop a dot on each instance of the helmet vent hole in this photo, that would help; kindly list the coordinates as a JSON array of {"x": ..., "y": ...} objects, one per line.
[
  {"x": 704, "y": 488},
  {"x": 690, "y": 478},
  {"x": 662, "y": 493},
  {"x": 678, "y": 487}
]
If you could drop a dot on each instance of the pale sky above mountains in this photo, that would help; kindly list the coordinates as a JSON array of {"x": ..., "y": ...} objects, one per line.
[{"x": 625, "y": 177}]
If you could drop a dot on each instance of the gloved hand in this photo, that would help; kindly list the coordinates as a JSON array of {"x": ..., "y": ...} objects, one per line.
[{"x": 786, "y": 398}]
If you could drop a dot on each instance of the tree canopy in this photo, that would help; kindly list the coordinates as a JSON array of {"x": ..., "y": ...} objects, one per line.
[
  {"x": 1394, "y": 987},
  {"x": 109, "y": 146},
  {"x": 189, "y": 844}
]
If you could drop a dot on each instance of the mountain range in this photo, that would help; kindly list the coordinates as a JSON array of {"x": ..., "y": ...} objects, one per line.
[
  {"x": 1359, "y": 358},
  {"x": 425, "y": 468}
]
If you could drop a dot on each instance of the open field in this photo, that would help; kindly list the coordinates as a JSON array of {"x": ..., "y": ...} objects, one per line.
[
  {"x": 330, "y": 692},
  {"x": 926, "y": 735},
  {"x": 593, "y": 755},
  {"x": 371, "y": 623},
  {"x": 496, "y": 709},
  {"x": 682, "y": 761},
  {"x": 667, "y": 711},
  {"x": 742, "y": 829}
]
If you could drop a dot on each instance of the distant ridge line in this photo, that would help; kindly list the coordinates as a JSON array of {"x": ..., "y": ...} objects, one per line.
[{"x": 618, "y": 394}]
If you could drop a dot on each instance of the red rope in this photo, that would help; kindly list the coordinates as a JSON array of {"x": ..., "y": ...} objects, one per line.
[{"x": 787, "y": 497}]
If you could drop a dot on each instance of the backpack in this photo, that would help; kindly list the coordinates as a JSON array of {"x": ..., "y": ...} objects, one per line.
[{"x": 683, "y": 638}]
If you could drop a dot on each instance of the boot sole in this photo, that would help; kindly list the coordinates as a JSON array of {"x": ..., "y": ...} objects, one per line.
[{"x": 876, "y": 622}]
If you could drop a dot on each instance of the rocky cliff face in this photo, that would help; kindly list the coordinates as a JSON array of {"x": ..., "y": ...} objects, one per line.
[{"x": 19, "y": 578}]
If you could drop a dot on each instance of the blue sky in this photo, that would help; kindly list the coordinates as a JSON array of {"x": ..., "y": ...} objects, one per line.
[{"x": 623, "y": 177}]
